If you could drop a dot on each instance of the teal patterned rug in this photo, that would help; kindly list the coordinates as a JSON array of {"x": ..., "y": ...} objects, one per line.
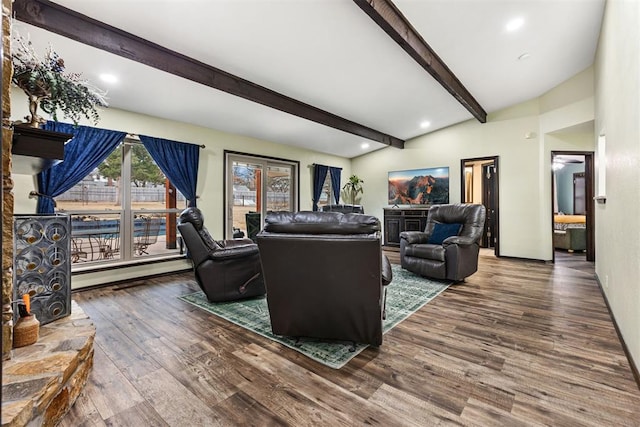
[{"x": 405, "y": 295}]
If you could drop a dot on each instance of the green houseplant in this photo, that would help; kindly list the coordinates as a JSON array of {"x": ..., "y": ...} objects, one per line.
[
  {"x": 48, "y": 86},
  {"x": 352, "y": 188}
]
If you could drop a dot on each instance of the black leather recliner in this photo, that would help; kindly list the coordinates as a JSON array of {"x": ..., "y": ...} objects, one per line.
[
  {"x": 325, "y": 275},
  {"x": 225, "y": 270},
  {"x": 453, "y": 258}
]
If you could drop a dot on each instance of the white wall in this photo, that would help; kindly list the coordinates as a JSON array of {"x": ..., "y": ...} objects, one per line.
[
  {"x": 210, "y": 176},
  {"x": 617, "y": 81},
  {"x": 523, "y": 137}
]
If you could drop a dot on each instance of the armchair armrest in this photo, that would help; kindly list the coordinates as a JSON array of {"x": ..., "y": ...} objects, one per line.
[
  {"x": 458, "y": 240},
  {"x": 232, "y": 243},
  {"x": 234, "y": 251},
  {"x": 413, "y": 237}
]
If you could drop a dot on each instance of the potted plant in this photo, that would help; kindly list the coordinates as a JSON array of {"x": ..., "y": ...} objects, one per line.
[
  {"x": 48, "y": 86},
  {"x": 352, "y": 188}
]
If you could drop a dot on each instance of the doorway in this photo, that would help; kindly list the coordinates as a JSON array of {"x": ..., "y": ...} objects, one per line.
[
  {"x": 255, "y": 185},
  {"x": 480, "y": 184},
  {"x": 572, "y": 190}
]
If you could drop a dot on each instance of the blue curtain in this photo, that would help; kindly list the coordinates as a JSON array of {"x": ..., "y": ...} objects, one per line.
[
  {"x": 178, "y": 161},
  {"x": 86, "y": 150},
  {"x": 319, "y": 175},
  {"x": 335, "y": 182}
]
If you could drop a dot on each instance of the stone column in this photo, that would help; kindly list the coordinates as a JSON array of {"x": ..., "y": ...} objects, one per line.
[{"x": 7, "y": 186}]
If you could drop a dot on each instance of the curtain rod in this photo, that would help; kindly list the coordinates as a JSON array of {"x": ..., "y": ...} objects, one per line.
[
  {"x": 137, "y": 137},
  {"x": 318, "y": 164}
]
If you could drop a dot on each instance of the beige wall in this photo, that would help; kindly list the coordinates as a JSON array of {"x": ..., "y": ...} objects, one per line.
[
  {"x": 210, "y": 177},
  {"x": 617, "y": 115},
  {"x": 523, "y": 136}
]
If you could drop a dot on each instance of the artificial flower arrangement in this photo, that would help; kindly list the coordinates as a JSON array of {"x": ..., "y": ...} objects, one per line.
[{"x": 48, "y": 86}]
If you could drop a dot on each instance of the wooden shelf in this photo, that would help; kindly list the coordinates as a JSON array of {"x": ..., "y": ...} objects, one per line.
[{"x": 35, "y": 150}]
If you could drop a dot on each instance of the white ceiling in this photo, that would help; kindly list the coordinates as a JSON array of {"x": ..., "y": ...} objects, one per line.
[{"x": 330, "y": 54}]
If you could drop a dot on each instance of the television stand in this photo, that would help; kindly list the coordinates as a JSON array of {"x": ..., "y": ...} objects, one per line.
[{"x": 397, "y": 220}]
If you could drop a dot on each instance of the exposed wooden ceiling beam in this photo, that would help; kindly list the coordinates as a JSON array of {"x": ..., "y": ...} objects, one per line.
[
  {"x": 393, "y": 22},
  {"x": 71, "y": 24}
]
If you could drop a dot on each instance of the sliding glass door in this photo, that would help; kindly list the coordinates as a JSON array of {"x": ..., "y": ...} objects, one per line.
[{"x": 254, "y": 186}]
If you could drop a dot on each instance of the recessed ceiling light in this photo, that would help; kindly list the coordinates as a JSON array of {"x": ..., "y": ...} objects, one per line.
[
  {"x": 364, "y": 145},
  {"x": 108, "y": 78},
  {"x": 525, "y": 55},
  {"x": 514, "y": 24},
  {"x": 425, "y": 124}
]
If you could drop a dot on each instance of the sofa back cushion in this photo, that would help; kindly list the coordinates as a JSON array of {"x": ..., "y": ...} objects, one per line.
[
  {"x": 320, "y": 223},
  {"x": 343, "y": 208}
]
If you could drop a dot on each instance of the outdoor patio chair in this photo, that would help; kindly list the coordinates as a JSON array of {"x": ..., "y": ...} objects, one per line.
[{"x": 146, "y": 230}]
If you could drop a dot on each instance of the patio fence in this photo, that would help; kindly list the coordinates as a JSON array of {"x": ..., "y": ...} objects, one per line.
[
  {"x": 90, "y": 193},
  {"x": 248, "y": 198}
]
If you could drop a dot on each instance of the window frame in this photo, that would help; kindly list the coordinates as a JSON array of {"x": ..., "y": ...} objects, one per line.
[
  {"x": 127, "y": 215},
  {"x": 229, "y": 157}
]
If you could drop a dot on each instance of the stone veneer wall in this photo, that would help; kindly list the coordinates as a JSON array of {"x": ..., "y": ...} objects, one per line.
[
  {"x": 7, "y": 186},
  {"x": 42, "y": 381}
]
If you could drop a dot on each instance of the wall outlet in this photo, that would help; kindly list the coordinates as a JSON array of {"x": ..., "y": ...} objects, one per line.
[{"x": 606, "y": 281}]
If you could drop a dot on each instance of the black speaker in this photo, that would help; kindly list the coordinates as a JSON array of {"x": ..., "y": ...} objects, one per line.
[{"x": 253, "y": 224}]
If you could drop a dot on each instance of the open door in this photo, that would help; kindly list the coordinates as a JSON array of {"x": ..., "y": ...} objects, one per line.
[
  {"x": 572, "y": 191},
  {"x": 480, "y": 181}
]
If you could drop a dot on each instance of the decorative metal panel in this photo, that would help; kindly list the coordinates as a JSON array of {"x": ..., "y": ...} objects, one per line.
[{"x": 41, "y": 264}]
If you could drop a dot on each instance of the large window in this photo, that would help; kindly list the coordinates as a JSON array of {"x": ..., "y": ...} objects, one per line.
[
  {"x": 124, "y": 210},
  {"x": 255, "y": 186}
]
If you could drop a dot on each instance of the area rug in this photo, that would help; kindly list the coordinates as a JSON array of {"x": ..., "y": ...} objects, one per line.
[{"x": 405, "y": 295}]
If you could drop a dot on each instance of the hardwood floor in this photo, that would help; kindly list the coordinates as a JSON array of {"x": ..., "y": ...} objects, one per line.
[{"x": 519, "y": 343}]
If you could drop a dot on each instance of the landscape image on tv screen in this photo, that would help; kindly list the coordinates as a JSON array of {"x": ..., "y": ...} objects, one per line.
[{"x": 419, "y": 186}]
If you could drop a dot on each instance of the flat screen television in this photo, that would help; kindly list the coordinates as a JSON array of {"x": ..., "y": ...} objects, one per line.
[{"x": 429, "y": 186}]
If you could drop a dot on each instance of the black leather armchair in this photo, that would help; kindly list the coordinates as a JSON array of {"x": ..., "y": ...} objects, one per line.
[
  {"x": 343, "y": 208},
  {"x": 225, "y": 270},
  {"x": 432, "y": 254},
  {"x": 325, "y": 275}
]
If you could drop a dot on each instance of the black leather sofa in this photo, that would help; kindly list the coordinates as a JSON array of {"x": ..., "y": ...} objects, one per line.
[
  {"x": 226, "y": 270},
  {"x": 325, "y": 274}
]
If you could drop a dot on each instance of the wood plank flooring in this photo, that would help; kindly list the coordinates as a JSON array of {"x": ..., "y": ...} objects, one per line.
[{"x": 519, "y": 343}]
